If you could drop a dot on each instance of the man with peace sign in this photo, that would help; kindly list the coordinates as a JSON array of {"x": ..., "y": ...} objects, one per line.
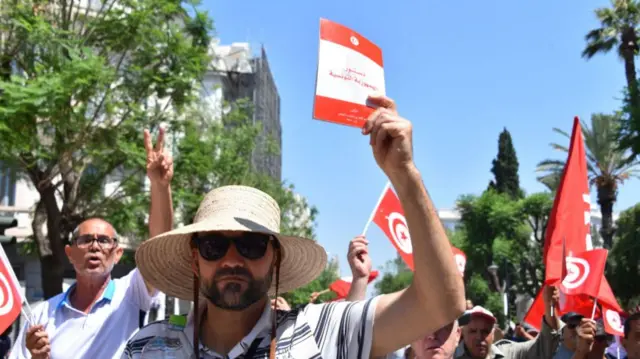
[{"x": 96, "y": 316}]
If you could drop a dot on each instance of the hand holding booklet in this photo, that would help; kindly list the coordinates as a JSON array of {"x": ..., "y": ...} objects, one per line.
[{"x": 350, "y": 69}]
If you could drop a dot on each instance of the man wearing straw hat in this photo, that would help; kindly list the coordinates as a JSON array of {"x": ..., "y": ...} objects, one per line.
[
  {"x": 96, "y": 315},
  {"x": 232, "y": 258}
]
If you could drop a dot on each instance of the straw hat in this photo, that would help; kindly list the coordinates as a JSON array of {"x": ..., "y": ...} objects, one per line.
[{"x": 165, "y": 261}]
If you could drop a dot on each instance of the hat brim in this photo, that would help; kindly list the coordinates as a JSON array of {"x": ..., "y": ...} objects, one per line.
[
  {"x": 165, "y": 261},
  {"x": 465, "y": 319},
  {"x": 572, "y": 318}
]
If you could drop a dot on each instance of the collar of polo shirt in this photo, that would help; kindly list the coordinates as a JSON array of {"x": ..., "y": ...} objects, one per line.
[{"x": 106, "y": 295}]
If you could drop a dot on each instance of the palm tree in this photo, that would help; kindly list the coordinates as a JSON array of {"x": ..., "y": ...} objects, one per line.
[
  {"x": 619, "y": 29},
  {"x": 607, "y": 166}
]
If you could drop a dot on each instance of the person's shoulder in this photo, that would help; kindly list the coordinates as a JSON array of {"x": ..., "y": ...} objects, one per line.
[
  {"x": 144, "y": 335},
  {"x": 340, "y": 305},
  {"x": 147, "y": 332}
]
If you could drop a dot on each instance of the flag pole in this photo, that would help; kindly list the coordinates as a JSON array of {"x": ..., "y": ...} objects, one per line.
[
  {"x": 375, "y": 209},
  {"x": 595, "y": 306}
]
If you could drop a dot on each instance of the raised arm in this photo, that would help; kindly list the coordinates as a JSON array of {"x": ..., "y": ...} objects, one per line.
[
  {"x": 436, "y": 296},
  {"x": 160, "y": 173},
  {"x": 360, "y": 263}
]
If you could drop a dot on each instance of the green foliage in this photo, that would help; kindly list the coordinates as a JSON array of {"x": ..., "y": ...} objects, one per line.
[
  {"x": 624, "y": 259},
  {"x": 480, "y": 294},
  {"x": 301, "y": 295},
  {"x": 78, "y": 89},
  {"x": 505, "y": 168},
  {"x": 497, "y": 229},
  {"x": 618, "y": 31},
  {"x": 397, "y": 276},
  {"x": 214, "y": 152}
]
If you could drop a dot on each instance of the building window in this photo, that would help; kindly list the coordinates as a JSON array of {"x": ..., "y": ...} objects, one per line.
[{"x": 7, "y": 185}]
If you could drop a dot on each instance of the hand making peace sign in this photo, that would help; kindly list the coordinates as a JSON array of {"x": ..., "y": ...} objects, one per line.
[{"x": 159, "y": 163}]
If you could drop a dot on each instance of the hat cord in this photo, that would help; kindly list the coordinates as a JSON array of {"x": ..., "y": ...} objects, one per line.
[
  {"x": 196, "y": 324},
  {"x": 272, "y": 346}
]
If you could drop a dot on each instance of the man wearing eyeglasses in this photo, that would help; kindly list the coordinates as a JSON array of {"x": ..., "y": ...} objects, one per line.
[{"x": 95, "y": 317}]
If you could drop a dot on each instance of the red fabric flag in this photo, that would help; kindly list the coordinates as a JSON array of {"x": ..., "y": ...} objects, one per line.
[
  {"x": 569, "y": 227},
  {"x": 461, "y": 259},
  {"x": 612, "y": 321},
  {"x": 570, "y": 219},
  {"x": 390, "y": 218},
  {"x": 606, "y": 296},
  {"x": 341, "y": 286},
  {"x": 10, "y": 297},
  {"x": 584, "y": 273},
  {"x": 580, "y": 303}
]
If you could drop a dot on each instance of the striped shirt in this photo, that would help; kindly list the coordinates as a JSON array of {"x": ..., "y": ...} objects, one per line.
[{"x": 341, "y": 330}]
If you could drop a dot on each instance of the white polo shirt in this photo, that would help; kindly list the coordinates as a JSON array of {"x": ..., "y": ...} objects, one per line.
[
  {"x": 330, "y": 330},
  {"x": 101, "y": 334}
]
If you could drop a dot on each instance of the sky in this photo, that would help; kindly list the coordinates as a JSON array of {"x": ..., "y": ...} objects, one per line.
[{"x": 461, "y": 71}]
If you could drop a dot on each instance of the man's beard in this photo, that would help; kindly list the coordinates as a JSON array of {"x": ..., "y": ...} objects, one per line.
[{"x": 232, "y": 297}]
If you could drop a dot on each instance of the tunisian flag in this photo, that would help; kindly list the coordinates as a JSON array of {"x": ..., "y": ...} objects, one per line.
[
  {"x": 570, "y": 219},
  {"x": 568, "y": 233},
  {"x": 568, "y": 229},
  {"x": 341, "y": 286},
  {"x": 461, "y": 259},
  {"x": 10, "y": 297},
  {"x": 389, "y": 217},
  {"x": 585, "y": 272},
  {"x": 612, "y": 321}
]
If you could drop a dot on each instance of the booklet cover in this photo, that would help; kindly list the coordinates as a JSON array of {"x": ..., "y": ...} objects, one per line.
[{"x": 349, "y": 69}]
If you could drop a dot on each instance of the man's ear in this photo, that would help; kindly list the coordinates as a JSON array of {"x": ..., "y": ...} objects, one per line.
[
  {"x": 67, "y": 251},
  {"x": 119, "y": 253}
]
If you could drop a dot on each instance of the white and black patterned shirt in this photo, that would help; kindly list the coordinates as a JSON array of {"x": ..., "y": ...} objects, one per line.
[{"x": 341, "y": 330}]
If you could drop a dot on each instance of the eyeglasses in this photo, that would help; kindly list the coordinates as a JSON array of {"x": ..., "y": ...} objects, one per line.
[
  {"x": 214, "y": 246},
  {"x": 86, "y": 240}
]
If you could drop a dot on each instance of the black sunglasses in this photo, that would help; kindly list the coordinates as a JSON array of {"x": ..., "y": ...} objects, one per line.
[{"x": 214, "y": 246}]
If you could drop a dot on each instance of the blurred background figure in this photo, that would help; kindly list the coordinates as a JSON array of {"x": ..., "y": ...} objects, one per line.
[{"x": 5, "y": 343}]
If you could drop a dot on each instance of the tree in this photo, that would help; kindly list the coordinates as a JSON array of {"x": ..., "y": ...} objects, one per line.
[
  {"x": 618, "y": 29},
  {"x": 301, "y": 296},
  {"x": 608, "y": 166},
  {"x": 79, "y": 85},
  {"x": 536, "y": 209},
  {"x": 213, "y": 152},
  {"x": 397, "y": 276},
  {"x": 624, "y": 259},
  {"x": 480, "y": 294},
  {"x": 505, "y": 168}
]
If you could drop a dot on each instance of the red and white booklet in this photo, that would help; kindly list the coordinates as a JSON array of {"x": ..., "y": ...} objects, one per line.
[{"x": 349, "y": 70}]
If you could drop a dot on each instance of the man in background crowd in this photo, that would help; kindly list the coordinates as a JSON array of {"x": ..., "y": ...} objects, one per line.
[
  {"x": 592, "y": 340},
  {"x": 478, "y": 335},
  {"x": 95, "y": 317},
  {"x": 569, "y": 336}
]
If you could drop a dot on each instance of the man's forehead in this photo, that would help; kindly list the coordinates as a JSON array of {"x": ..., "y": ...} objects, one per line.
[
  {"x": 96, "y": 226},
  {"x": 479, "y": 322}
]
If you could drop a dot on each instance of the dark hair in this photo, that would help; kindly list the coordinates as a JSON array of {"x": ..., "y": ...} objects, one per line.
[{"x": 627, "y": 323}]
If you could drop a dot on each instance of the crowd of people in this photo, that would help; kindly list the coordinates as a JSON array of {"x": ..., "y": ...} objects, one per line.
[{"x": 234, "y": 264}]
